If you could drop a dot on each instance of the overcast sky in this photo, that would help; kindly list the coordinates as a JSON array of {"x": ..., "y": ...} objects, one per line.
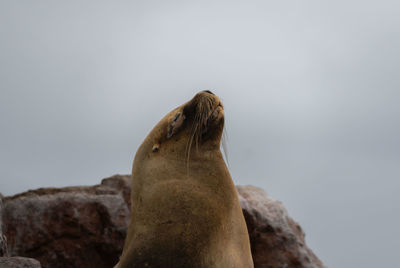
[{"x": 311, "y": 92}]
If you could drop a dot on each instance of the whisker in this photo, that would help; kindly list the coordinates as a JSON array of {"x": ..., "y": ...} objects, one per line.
[
  {"x": 200, "y": 125},
  {"x": 224, "y": 144}
]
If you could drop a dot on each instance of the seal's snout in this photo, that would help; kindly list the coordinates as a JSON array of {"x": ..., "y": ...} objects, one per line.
[
  {"x": 205, "y": 104},
  {"x": 205, "y": 117},
  {"x": 202, "y": 103}
]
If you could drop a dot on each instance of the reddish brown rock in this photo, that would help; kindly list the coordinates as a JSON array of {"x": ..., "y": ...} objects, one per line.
[
  {"x": 86, "y": 226},
  {"x": 69, "y": 227},
  {"x": 276, "y": 239},
  {"x": 18, "y": 262},
  {"x": 3, "y": 239}
]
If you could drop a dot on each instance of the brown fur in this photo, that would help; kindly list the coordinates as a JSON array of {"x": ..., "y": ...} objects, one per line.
[{"x": 185, "y": 208}]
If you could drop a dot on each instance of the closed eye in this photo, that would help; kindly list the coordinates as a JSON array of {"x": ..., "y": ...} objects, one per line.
[{"x": 177, "y": 117}]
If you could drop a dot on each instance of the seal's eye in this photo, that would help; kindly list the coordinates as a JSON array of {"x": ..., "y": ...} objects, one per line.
[
  {"x": 177, "y": 116},
  {"x": 175, "y": 124}
]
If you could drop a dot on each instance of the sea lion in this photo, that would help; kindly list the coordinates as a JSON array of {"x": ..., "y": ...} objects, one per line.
[{"x": 185, "y": 209}]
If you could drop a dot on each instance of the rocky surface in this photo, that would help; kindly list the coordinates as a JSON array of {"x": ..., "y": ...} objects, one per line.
[
  {"x": 69, "y": 227},
  {"x": 276, "y": 239},
  {"x": 3, "y": 239},
  {"x": 18, "y": 262},
  {"x": 86, "y": 226}
]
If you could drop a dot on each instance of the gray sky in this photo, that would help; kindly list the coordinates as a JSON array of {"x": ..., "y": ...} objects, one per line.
[{"x": 311, "y": 92}]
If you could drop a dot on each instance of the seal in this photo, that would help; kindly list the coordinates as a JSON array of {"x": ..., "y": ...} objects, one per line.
[{"x": 185, "y": 210}]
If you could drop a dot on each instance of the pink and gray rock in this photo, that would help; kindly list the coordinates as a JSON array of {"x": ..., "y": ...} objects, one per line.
[
  {"x": 276, "y": 239},
  {"x": 18, "y": 262},
  {"x": 86, "y": 226},
  {"x": 3, "y": 239},
  {"x": 69, "y": 227}
]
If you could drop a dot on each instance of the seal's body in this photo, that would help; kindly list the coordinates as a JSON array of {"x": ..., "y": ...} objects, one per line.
[{"x": 185, "y": 210}]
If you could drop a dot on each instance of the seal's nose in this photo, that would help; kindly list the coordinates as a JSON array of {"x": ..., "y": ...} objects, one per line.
[{"x": 207, "y": 91}]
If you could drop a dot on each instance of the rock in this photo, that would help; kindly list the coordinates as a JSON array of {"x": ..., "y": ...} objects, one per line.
[
  {"x": 3, "y": 239},
  {"x": 69, "y": 227},
  {"x": 276, "y": 239},
  {"x": 18, "y": 262},
  {"x": 86, "y": 226}
]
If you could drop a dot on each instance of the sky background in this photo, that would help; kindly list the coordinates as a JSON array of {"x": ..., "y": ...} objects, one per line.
[{"x": 311, "y": 91}]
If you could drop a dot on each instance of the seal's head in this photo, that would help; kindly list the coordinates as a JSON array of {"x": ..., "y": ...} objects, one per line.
[
  {"x": 198, "y": 123},
  {"x": 185, "y": 210}
]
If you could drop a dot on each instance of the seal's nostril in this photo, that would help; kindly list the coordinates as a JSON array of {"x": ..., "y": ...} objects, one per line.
[{"x": 208, "y": 92}]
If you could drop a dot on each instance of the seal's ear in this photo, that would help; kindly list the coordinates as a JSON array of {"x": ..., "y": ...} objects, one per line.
[{"x": 175, "y": 124}]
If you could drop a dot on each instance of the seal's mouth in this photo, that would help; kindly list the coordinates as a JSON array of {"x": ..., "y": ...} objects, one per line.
[
  {"x": 207, "y": 116},
  {"x": 214, "y": 115}
]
